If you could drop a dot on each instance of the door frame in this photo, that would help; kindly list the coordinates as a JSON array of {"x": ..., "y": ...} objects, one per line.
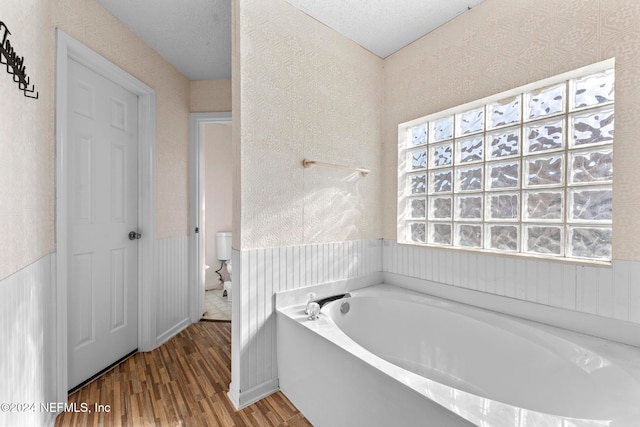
[
  {"x": 196, "y": 177},
  {"x": 69, "y": 48}
]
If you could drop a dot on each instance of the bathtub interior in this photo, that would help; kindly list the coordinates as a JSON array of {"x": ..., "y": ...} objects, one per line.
[
  {"x": 486, "y": 354},
  {"x": 470, "y": 361}
]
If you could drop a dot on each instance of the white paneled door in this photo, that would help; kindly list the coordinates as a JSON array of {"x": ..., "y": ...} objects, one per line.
[{"x": 102, "y": 187}]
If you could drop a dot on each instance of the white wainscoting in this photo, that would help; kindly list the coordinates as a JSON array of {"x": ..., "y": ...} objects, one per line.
[
  {"x": 172, "y": 287},
  {"x": 27, "y": 333},
  {"x": 257, "y": 275},
  {"x": 611, "y": 292}
]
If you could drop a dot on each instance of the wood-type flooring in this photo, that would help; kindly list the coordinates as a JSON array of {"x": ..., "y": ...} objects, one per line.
[{"x": 184, "y": 382}]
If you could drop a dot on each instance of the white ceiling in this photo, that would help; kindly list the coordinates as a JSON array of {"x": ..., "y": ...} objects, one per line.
[
  {"x": 384, "y": 26},
  {"x": 195, "y": 35}
]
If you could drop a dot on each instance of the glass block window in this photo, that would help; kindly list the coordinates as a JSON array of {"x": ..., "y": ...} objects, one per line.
[{"x": 528, "y": 171}]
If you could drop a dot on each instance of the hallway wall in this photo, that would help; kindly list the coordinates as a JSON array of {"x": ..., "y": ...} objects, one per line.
[
  {"x": 210, "y": 96},
  {"x": 27, "y": 354},
  {"x": 26, "y": 139}
]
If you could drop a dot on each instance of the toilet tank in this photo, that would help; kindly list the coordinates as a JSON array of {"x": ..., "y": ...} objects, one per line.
[{"x": 223, "y": 245}]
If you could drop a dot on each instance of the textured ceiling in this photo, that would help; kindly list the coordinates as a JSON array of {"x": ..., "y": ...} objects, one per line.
[
  {"x": 384, "y": 26},
  {"x": 195, "y": 35}
]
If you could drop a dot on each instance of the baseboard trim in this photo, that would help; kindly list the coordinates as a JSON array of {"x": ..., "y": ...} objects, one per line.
[
  {"x": 172, "y": 331},
  {"x": 242, "y": 399}
]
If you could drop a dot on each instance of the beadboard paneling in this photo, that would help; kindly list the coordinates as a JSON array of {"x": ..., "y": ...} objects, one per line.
[
  {"x": 27, "y": 333},
  {"x": 262, "y": 273},
  {"x": 610, "y": 292},
  {"x": 172, "y": 290}
]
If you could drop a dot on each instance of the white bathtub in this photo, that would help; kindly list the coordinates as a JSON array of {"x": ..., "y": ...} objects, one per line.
[{"x": 403, "y": 358}]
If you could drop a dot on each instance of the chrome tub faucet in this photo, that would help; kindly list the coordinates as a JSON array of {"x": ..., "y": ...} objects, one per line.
[{"x": 315, "y": 305}]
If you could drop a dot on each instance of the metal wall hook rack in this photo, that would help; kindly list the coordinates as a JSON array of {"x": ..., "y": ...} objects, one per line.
[
  {"x": 15, "y": 64},
  {"x": 308, "y": 163}
]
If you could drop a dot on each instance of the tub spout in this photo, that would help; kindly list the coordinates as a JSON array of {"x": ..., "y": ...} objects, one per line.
[{"x": 322, "y": 301}]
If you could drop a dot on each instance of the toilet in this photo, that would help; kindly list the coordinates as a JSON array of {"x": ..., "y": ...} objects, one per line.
[
  {"x": 227, "y": 290},
  {"x": 223, "y": 253}
]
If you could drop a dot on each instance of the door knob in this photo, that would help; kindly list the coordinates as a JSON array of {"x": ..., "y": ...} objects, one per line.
[{"x": 133, "y": 235}]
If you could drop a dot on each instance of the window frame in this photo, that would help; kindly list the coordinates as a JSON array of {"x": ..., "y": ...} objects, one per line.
[{"x": 450, "y": 147}]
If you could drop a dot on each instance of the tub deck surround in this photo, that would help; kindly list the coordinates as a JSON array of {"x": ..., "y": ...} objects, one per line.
[
  {"x": 458, "y": 363},
  {"x": 258, "y": 274}
]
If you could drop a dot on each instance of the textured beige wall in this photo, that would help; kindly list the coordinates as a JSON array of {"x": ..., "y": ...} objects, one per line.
[
  {"x": 502, "y": 44},
  {"x": 304, "y": 91},
  {"x": 95, "y": 27},
  {"x": 26, "y": 139},
  {"x": 210, "y": 96}
]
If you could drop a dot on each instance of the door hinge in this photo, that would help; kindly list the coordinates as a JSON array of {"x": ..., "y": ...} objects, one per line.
[{"x": 197, "y": 230}]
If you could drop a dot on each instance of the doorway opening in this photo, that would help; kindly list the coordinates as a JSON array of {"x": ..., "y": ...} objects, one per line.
[{"x": 211, "y": 215}]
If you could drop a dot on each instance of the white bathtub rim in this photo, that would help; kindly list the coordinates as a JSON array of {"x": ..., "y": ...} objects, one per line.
[{"x": 469, "y": 406}]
